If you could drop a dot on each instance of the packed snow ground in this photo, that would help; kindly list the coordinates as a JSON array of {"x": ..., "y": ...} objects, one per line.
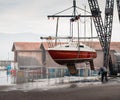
[{"x": 53, "y": 83}]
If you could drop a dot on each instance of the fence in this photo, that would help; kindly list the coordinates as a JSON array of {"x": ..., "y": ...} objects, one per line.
[
  {"x": 47, "y": 73},
  {"x": 31, "y": 75}
]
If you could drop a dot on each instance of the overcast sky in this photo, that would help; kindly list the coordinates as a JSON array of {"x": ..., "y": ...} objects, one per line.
[{"x": 26, "y": 20}]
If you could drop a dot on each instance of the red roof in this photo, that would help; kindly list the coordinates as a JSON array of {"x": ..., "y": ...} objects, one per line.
[
  {"x": 26, "y": 46},
  {"x": 96, "y": 45},
  {"x": 36, "y": 45}
]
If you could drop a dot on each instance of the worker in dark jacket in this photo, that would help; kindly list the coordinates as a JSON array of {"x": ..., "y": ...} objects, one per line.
[{"x": 103, "y": 73}]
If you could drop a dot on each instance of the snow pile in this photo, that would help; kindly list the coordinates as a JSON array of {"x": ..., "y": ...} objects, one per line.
[{"x": 65, "y": 82}]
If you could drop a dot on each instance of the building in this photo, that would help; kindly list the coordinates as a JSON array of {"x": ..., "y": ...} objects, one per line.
[
  {"x": 34, "y": 54},
  {"x": 5, "y": 62},
  {"x": 34, "y": 57},
  {"x": 34, "y": 62}
]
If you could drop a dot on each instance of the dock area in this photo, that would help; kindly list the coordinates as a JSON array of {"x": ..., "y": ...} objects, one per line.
[{"x": 84, "y": 90}]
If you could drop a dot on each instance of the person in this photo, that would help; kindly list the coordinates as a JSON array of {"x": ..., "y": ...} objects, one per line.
[{"x": 103, "y": 73}]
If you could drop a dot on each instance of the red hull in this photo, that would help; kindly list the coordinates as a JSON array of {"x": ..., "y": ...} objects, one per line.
[{"x": 63, "y": 57}]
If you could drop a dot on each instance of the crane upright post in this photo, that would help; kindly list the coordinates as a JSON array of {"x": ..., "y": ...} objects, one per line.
[
  {"x": 118, "y": 7},
  {"x": 97, "y": 19},
  {"x": 108, "y": 29},
  {"x": 104, "y": 31},
  {"x": 74, "y": 7}
]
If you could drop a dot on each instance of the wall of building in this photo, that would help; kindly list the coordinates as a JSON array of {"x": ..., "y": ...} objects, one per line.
[
  {"x": 29, "y": 58},
  {"x": 98, "y": 62}
]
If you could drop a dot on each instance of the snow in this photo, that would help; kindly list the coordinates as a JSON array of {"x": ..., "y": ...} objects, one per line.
[
  {"x": 4, "y": 78},
  {"x": 46, "y": 84},
  {"x": 53, "y": 83}
]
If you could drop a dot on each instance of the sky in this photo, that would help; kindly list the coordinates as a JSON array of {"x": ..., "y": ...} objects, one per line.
[{"x": 26, "y": 20}]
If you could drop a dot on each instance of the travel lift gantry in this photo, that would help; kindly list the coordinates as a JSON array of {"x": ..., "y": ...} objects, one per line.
[
  {"x": 104, "y": 31},
  {"x": 73, "y": 18}
]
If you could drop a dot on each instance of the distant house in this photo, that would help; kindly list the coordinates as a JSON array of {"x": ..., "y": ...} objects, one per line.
[
  {"x": 5, "y": 63},
  {"x": 34, "y": 54}
]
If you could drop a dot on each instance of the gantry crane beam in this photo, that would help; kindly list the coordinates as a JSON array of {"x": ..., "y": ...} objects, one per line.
[
  {"x": 97, "y": 19},
  {"x": 108, "y": 30},
  {"x": 118, "y": 7},
  {"x": 104, "y": 31}
]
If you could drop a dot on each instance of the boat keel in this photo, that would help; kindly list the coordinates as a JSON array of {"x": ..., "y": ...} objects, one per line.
[
  {"x": 71, "y": 67},
  {"x": 91, "y": 65}
]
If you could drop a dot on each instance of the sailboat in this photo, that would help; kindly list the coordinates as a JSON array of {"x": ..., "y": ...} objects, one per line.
[{"x": 74, "y": 51}]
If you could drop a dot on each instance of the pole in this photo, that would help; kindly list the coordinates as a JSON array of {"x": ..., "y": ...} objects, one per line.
[
  {"x": 74, "y": 7},
  {"x": 85, "y": 22},
  {"x": 56, "y": 30}
]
